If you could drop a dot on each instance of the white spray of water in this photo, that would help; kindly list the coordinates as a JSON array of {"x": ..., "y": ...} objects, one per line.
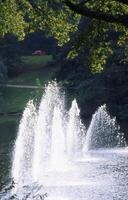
[
  {"x": 58, "y": 157},
  {"x": 103, "y": 131},
  {"x": 23, "y": 150},
  {"x": 44, "y": 130},
  {"x": 42, "y": 142},
  {"x": 75, "y": 130}
]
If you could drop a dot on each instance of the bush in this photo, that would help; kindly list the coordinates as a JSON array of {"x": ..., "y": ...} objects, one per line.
[{"x": 14, "y": 66}]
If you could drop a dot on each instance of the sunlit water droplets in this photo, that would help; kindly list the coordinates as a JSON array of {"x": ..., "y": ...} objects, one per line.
[{"x": 103, "y": 131}]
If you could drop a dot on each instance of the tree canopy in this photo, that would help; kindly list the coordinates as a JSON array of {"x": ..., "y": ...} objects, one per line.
[{"x": 62, "y": 20}]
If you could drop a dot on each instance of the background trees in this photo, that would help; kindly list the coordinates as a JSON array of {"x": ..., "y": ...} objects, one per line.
[{"x": 61, "y": 20}]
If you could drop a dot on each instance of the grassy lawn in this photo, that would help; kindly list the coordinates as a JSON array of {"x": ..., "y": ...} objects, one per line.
[
  {"x": 15, "y": 99},
  {"x": 35, "y": 70},
  {"x": 34, "y": 62},
  {"x": 8, "y": 126},
  {"x": 31, "y": 77}
]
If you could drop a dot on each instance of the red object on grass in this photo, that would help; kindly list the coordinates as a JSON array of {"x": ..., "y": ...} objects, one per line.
[{"x": 39, "y": 53}]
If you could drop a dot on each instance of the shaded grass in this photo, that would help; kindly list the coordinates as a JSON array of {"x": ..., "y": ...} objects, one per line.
[
  {"x": 34, "y": 62},
  {"x": 15, "y": 99},
  {"x": 31, "y": 78},
  {"x": 9, "y": 129},
  {"x": 36, "y": 69}
]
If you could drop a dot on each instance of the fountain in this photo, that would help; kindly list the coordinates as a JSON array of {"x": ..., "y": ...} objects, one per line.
[
  {"x": 103, "y": 131},
  {"x": 44, "y": 132},
  {"x": 58, "y": 157},
  {"x": 75, "y": 130},
  {"x": 23, "y": 149},
  {"x": 50, "y": 138},
  {"x": 47, "y": 137}
]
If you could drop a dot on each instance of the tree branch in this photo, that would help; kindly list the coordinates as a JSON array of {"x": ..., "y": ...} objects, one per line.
[
  {"x": 120, "y": 1},
  {"x": 83, "y": 2},
  {"x": 119, "y": 19},
  {"x": 123, "y": 1}
]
